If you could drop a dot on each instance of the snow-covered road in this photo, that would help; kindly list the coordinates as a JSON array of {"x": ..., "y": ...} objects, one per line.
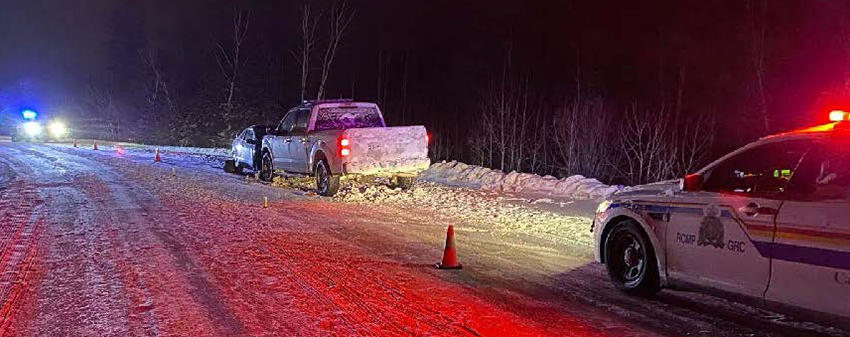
[{"x": 97, "y": 243}]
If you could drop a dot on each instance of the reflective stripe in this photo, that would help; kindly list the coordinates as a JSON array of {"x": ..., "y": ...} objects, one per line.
[
  {"x": 780, "y": 251},
  {"x": 807, "y": 255}
]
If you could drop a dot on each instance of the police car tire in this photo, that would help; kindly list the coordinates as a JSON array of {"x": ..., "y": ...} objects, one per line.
[{"x": 647, "y": 282}]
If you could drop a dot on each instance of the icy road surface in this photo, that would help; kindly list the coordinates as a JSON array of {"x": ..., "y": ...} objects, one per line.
[{"x": 97, "y": 243}]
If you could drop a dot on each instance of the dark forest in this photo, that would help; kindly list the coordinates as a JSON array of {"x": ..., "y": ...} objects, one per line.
[{"x": 626, "y": 91}]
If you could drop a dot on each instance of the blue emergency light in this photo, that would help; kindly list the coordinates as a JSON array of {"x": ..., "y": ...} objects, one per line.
[{"x": 29, "y": 114}]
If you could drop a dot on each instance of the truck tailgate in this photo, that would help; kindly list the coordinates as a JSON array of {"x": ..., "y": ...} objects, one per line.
[{"x": 402, "y": 149}]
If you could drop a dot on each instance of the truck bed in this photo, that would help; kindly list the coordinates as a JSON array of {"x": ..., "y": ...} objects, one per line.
[{"x": 387, "y": 150}]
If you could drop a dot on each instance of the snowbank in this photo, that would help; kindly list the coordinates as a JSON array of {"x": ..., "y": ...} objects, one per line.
[
  {"x": 205, "y": 151},
  {"x": 459, "y": 174}
]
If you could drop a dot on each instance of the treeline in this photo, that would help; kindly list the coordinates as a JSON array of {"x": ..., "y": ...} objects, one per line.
[{"x": 622, "y": 91}]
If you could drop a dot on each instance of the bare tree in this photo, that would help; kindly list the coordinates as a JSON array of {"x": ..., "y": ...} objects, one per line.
[
  {"x": 229, "y": 62},
  {"x": 582, "y": 134},
  {"x": 159, "y": 85},
  {"x": 649, "y": 152},
  {"x": 305, "y": 50},
  {"x": 229, "y": 59},
  {"x": 340, "y": 18},
  {"x": 103, "y": 103},
  {"x": 646, "y": 152},
  {"x": 757, "y": 10},
  {"x": 505, "y": 137}
]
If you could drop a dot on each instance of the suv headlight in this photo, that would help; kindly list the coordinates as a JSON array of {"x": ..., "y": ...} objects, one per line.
[
  {"x": 57, "y": 129},
  {"x": 32, "y": 129}
]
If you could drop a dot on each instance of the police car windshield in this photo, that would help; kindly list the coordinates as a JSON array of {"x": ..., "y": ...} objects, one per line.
[{"x": 765, "y": 168}]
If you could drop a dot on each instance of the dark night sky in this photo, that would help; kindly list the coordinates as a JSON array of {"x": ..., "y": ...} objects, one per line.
[{"x": 626, "y": 51}]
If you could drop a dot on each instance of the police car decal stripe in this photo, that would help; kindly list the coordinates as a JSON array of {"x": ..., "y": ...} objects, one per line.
[
  {"x": 768, "y": 248},
  {"x": 808, "y": 255},
  {"x": 813, "y": 233}
]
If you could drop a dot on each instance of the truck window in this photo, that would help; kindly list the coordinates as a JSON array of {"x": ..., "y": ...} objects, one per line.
[
  {"x": 285, "y": 126},
  {"x": 301, "y": 120},
  {"x": 765, "y": 169},
  {"x": 341, "y": 118}
]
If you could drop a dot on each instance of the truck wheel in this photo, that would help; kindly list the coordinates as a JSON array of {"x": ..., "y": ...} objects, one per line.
[
  {"x": 326, "y": 183},
  {"x": 405, "y": 183},
  {"x": 230, "y": 166},
  {"x": 267, "y": 168},
  {"x": 631, "y": 260}
]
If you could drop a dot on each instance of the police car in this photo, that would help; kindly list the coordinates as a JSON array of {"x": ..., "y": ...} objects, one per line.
[{"x": 770, "y": 221}]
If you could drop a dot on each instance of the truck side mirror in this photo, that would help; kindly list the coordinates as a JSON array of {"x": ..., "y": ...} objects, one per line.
[
  {"x": 692, "y": 183},
  {"x": 251, "y": 141}
]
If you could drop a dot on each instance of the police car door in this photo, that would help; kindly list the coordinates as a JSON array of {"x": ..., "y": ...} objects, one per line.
[
  {"x": 712, "y": 232},
  {"x": 811, "y": 250}
]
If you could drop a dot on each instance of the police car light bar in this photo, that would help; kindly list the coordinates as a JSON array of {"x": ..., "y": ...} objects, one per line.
[{"x": 839, "y": 115}]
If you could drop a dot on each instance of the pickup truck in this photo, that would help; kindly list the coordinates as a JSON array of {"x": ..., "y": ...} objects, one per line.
[{"x": 333, "y": 138}]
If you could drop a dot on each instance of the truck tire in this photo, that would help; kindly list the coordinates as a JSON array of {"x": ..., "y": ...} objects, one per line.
[
  {"x": 631, "y": 260},
  {"x": 327, "y": 184},
  {"x": 267, "y": 167},
  {"x": 405, "y": 183}
]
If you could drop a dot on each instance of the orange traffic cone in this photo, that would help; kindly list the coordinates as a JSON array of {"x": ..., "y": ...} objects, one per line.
[
  {"x": 156, "y": 157},
  {"x": 95, "y": 145},
  {"x": 75, "y": 142},
  {"x": 450, "y": 254}
]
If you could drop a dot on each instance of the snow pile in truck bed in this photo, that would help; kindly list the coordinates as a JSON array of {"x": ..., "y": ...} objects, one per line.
[{"x": 459, "y": 174}]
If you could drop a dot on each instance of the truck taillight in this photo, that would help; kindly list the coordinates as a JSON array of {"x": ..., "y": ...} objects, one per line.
[
  {"x": 427, "y": 139},
  {"x": 344, "y": 151}
]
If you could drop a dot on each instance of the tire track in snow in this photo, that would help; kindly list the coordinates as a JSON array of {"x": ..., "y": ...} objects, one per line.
[{"x": 16, "y": 263}]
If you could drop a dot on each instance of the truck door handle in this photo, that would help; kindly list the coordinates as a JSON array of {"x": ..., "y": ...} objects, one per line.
[
  {"x": 754, "y": 209},
  {"x": 287, "y": 140}
]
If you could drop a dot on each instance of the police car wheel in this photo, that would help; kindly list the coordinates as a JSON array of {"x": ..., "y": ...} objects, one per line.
[{"x": 631, "y": 260}]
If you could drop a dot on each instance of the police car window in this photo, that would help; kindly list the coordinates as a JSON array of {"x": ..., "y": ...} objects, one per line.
[
  {"x": 824, "y": 174},
  {"x": 249, "y": 134},
  {"x": 765, "y": 169}
]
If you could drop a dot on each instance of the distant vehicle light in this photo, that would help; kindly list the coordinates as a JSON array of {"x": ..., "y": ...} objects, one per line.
[
  {"x": 29, "y": 114},
  {"x": 32, "y": 129},
  {"x": 838, "y": 116},
  {"x": 57, "y": 129}
]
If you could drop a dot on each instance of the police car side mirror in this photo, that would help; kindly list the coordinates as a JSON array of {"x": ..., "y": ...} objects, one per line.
[{"x": 692, "y": 183}]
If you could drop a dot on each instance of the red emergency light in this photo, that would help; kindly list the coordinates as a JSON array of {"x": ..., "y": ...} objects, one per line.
[{"x": 839, "y": 116}]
